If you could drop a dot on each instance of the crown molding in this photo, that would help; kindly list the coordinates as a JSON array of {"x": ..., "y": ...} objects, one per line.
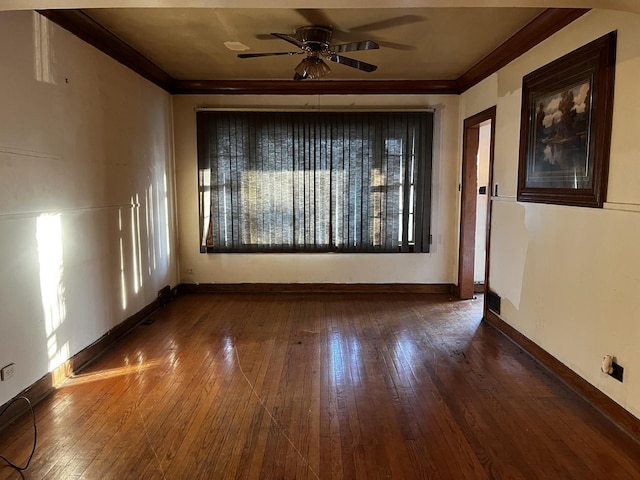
[
  {"x": 540, "y": 28},
  {"x": 84, "y": 27}
]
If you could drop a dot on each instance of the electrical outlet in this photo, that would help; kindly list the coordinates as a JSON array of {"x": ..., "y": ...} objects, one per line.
[
  {"x": 189, "y": 270},
  {"x": 618, "y": 371},
  {"x": 7, "y": 372}
]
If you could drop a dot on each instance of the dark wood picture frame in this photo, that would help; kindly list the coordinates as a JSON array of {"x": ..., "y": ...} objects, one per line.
[{"x": 565, "y": 130}]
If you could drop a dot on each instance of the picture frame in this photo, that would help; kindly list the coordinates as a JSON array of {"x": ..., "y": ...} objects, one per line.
[{"x": 565, "y": 130}]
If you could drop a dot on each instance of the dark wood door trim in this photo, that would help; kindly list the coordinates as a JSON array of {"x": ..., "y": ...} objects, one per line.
[
  {"x": 491, "y": 114},
  {"x": 468, "y": 199}
]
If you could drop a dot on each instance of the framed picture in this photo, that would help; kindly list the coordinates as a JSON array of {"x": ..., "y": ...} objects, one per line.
[{"x": 565, "y": 131}]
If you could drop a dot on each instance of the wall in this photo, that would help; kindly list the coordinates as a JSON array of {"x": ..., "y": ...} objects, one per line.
[
  {"x": 435, "y": 267},
  {"x": 85, "y": 196},
  {"x": 482, "y": 203},
  {"x": 569, "y": 277}
]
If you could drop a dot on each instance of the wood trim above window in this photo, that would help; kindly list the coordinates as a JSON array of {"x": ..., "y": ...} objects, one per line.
[{"x": 319, "y": 87}]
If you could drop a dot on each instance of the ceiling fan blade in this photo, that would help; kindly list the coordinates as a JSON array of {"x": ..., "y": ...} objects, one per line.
[
  {"x": 288, "y": 38},
  {"x": 388, "y": 23},
  {"x": 353, "y": 46},
  {"x": 315, "y": 17},
  {"x": 271, "y": 54},
  {"x": 396, "y": 46},
  {"x": 352, "y": 62}
]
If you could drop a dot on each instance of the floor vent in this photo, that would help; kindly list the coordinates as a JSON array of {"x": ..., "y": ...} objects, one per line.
[
  {"x": 493, "y": 302},
  {"x": 164, "y": 295}
]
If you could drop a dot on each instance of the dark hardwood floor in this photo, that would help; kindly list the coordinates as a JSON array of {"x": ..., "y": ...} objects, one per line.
[{"x": 318, "y": 386}]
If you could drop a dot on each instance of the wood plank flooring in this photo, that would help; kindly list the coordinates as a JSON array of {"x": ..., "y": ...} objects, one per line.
[{"x": 318, "y": 386}]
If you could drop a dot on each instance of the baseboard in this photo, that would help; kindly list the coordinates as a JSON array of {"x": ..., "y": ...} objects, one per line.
[
  {"x": 442, "y": 288},
  {"x": 623, "y": 419},
  {"x": 48, "y": 383}
]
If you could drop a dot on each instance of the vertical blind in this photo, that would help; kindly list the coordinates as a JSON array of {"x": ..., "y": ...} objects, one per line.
[{"x": 314, "y": 181}]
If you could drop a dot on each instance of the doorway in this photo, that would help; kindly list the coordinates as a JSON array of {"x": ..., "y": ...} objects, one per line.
[{"x": 475, "y": 203}]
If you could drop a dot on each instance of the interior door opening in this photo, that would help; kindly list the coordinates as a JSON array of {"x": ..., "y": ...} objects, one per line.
[
  {"x": 475, "y": 211},
  {"x": 482, "y": 205}
]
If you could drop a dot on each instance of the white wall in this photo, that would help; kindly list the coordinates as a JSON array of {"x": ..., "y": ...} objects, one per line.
[
  {"x": 569, "y": 277},
  {"x": 85, "y": 196},
  {"x": 435, "y": 267},
  {"x": 482, "y": 202}
]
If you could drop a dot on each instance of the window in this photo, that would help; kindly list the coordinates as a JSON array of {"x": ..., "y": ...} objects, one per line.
[{"x": 314, "y": 181}]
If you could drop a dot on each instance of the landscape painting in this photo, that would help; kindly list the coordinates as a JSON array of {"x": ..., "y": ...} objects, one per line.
[
  {"x": 565, "y": 127},
  {"x": 560, "y": 143}
]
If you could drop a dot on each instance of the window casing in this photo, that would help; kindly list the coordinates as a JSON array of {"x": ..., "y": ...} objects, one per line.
[{"x": 314, "y": 181}]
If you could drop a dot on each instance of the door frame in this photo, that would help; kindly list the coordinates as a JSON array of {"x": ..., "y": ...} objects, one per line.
[{"x": 468, "y": 199}]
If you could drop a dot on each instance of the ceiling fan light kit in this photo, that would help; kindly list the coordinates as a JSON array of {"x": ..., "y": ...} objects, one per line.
[
  {"x": 315, "y": 43},
  {"x": 311, "y": 67}
]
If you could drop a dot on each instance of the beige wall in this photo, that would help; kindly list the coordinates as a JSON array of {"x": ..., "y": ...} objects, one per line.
[
  {"x": 435, "y": 267},
  {"x": 568, "y": 276},
  {"x": 85, "y": 187},
  {"x": 482, "y": 202}
]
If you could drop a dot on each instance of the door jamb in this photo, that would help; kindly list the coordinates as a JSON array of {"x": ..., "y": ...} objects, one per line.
[{"x": 468, "y": 198}]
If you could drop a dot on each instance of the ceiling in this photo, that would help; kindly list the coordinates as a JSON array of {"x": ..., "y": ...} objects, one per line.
[
  {"x": 430, "y": 49},
  {"x": 415, "y": 44}
]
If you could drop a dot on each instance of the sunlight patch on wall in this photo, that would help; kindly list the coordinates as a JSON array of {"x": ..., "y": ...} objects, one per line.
[
  {"x": 57, "y": 355},
  {"x": 42, "y": 53},
  {"x": 123, "y": 280},
  {"x": 151, "y": 234},
  {"x": 50, "y": 257},
  {"x": 166, "y": 216},
  {"x": 136, "y": 244}
]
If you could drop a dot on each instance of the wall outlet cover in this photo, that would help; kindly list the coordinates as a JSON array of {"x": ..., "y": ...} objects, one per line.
[
  {"x": 7, "y": 372},
  {"x": 618, "y": 371}
]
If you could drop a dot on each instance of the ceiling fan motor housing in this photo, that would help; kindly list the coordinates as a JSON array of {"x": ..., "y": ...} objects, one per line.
[{"x": 314, "y": 39}]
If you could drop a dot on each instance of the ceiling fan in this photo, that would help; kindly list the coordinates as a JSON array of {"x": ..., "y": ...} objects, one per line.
[{"x": 315, "y": 43}]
